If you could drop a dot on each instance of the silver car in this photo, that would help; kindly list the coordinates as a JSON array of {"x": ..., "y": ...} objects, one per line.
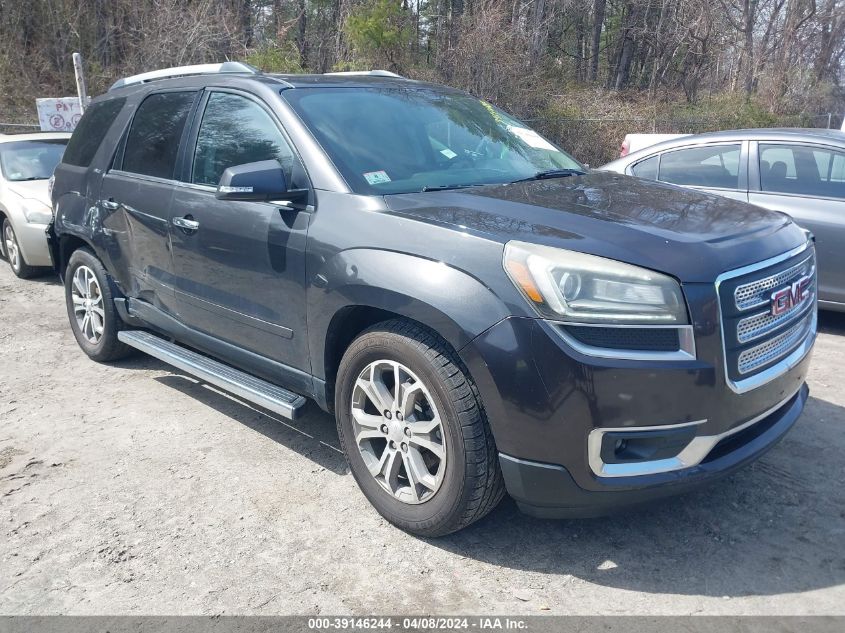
[
  {"x": 798, "y": 171},
  {"x": 26, "y": 163}
]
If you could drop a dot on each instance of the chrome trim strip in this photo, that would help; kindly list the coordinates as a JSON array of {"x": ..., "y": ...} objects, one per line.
[
  {"x": 747, "y": 384},
  {"x": 686, "y": 337},
  {"x": 692, "y": 455}
]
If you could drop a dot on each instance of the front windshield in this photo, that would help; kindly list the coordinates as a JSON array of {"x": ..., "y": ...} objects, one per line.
[
  {"x": 398, "y": 140},
  {"x": 31, "y": 160}
]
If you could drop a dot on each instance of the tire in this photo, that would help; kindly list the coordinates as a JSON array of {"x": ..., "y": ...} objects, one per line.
[
  {"x": 13, "y": 254},
  {"x": 100, "y": 346},
  {"x": 458, "y": 490}
]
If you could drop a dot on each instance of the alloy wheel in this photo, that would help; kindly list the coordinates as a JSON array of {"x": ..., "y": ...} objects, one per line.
[
  {"x": 398, "y": 431},
  {"x": 12, "y": 250},
  {"x": 88, "y": 304}
]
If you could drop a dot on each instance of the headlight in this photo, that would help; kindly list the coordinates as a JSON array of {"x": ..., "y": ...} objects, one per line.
[
  {"x": 568, "y": 286},
  {"x": 36, "y": 212}
]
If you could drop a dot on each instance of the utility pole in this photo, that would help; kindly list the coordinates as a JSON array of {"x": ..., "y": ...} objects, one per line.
[{"x": 81, "y": 90}]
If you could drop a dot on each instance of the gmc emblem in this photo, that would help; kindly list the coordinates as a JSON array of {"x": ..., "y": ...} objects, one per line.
[{"x": 785, "y": 299}]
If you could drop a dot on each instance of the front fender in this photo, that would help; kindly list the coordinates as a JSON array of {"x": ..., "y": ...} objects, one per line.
[{"x": 451, "y": 302}]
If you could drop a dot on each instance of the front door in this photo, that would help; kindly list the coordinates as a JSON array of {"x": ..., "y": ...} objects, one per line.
[
  {"x": 807, "y": 182},
  {"x": 240, "y": 266}
]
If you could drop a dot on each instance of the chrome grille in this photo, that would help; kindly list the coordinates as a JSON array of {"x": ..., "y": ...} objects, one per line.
[
  {"x": 775, "y": 348},
  {"x": 756, "y": 293},
  {"x": 755, "y": 341}
]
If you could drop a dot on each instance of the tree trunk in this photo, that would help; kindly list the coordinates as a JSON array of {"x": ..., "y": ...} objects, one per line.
[
  {"x": 598, "y": 22},
  {"x": 301, "y": 34},
  {"x": 626, "y": 56}
]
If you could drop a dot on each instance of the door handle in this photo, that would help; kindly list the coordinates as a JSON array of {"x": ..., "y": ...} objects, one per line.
[
  {"x": 187, "y": 223},
  {"x": 110, "y": 204}
]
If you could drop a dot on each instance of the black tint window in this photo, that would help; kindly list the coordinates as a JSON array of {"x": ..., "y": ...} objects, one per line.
[
  {"x": 90, "y": 132},
  {"x": 155, "y": 133},
  {"x": 714, "y": 166},
  {"x": 802, "y": 170},
  {"x": 235, "y": 131},
  {"x": 646, "y": 168}
]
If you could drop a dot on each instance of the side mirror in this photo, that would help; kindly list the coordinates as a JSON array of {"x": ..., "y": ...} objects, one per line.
[{"x": 258, "y": 182}]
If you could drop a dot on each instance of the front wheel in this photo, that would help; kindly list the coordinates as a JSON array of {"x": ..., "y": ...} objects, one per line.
[
  {"x": 90, "y": 308},
  {"x": 414, "y": 432},
  {"x": 13, "y": 253}
]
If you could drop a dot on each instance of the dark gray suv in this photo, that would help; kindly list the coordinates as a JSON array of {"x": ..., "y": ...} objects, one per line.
[{"x": 479, "y": 312}]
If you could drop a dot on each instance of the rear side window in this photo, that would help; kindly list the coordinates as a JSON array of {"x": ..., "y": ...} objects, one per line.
[
  {"x": 713, "y": 166},
  {"x": 90, "y": 132},
  {"x": 153, "y": 140},
  {"x": 646, "y": 168},
  {"x": 802, "y": 170}
]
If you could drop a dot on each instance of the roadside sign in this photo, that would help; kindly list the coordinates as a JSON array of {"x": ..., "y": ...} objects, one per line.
[{"x": 58, "y": 115}]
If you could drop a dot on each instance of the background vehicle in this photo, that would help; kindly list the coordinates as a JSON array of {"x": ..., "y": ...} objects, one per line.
[
  {"x": 475, "y": 309},
  {"x": 797, "y": 171},
  {"x": 636, "y": 142},
  {"x": 26, "y": 163}
]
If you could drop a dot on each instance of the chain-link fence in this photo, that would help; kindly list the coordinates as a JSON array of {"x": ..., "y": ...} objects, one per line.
[{"x": 597, "y": 141}]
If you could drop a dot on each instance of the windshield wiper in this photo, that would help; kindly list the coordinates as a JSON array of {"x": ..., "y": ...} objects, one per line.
[
  {"x": 445, "y": 187},
  {"x": 552, "y": 173}
]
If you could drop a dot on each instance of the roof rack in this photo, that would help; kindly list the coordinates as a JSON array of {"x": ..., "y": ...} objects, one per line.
[
  {"x": 184, "y": 71},
  {"x": 373, "y": 73}
]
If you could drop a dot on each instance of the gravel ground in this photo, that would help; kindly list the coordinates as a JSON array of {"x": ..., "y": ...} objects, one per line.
[{"x": 131, "y": 489}]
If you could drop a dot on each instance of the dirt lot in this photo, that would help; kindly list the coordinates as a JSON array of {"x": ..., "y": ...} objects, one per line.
[{"x": 130, "y": 489}]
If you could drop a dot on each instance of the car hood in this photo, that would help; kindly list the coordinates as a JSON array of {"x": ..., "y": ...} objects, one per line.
[
  {"x": 33, "y": 189},
  {"x": 688, "y": 234}
]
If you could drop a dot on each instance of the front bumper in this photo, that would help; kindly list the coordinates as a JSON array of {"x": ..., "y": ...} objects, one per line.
[
  {"x": 545, "y": 400},
  {"x": 549, "y": 491},
  {"x": 32, "y": 240}
]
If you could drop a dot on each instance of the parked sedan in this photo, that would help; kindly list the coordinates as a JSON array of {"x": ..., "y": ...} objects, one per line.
[
  {"x": 26, "y": 163},
  {"x": 798, "y": 171}
]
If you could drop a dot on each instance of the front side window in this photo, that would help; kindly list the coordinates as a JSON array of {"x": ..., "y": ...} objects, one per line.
[
  {"x": 802, "y": 170},
  {"x": 153, "y": 140},
  {"x": 235, "y": 131},
  {"x": 91, "y": 131},
  {"x": 401, "y": 139},
  {"x": 710, "y": 166},
  {"x": 31, "y": 160}
]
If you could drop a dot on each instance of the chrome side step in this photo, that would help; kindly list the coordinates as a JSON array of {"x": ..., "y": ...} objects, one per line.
[{"x": 239, "y": 383}]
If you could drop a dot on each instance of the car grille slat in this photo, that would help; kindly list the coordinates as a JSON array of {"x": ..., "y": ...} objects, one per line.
[
  {"x": 756, "y": 293},
  {"x": 774, "y": 348},
  {"x": 754, "y": 339}
]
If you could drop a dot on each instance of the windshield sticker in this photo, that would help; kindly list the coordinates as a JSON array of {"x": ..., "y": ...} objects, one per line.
[
  {"x": 376, "y": 177},
  {"x": 448, "y": 153},
  {"x": 530, "y": 137}
]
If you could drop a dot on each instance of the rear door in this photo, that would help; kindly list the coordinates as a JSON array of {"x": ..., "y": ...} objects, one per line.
[
  {"x": 139, "y": 188},
  {"x": 807, "y": 181},
  {"x": 240, "y": 273}
]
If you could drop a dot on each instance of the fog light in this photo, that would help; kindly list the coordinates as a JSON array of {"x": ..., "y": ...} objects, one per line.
[{"x": 622, "y": 447}]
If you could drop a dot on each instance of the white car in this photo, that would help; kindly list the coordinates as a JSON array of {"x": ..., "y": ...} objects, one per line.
[
  {"x": 27, "y": 162},
  {"x": 636, "y": 142}
]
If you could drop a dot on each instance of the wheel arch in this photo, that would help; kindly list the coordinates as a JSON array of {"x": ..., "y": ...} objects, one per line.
[
  {"x": 364, "y": 287},
  {"x": 66, "y": 245}
]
